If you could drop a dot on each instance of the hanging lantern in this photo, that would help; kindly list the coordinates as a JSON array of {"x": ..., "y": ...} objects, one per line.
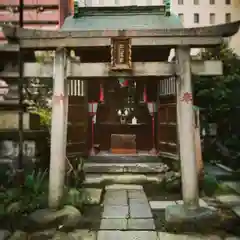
[
  {"x": 152, "y": 107},
  {"x": 92, "y": 108}
]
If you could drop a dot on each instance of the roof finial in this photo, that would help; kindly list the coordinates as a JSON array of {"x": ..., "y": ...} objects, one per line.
[
  {"x": 75, "y": 9},
  {"x": 167, "y": 4}
]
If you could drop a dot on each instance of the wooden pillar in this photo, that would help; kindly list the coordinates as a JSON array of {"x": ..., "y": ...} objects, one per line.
[
  {"x": 185, "y": 117},
  {"x": 58, "y": 129}
]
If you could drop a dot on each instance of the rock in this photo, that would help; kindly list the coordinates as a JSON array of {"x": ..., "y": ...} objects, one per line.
[
  {"x": 94, "y": 195},
  {"x": 19, "y": 235},
  {"x": 82, "y": 235},
  {"x": 69, "y": 216},
  {"x": 43, "y": 235},
  {"x": 4, "y": 234},
  {"x": 43, "y": 216},
  {"x": 14, "y": 207}
]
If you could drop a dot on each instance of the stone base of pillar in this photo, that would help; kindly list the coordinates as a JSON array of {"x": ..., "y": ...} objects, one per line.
[
  {"x": 92, "y": 152},
  {"x": 181, "y": 214},
  {"x": 153, "y": 151}
]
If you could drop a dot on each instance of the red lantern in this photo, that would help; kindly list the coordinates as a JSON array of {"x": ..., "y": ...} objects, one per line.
[
  {"x": 92, "y": 110},
  {"x": 152, "y": 107}
]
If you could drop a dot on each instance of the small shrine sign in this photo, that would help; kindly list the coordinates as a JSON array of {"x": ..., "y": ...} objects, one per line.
[{"x": 121, "y": 54}]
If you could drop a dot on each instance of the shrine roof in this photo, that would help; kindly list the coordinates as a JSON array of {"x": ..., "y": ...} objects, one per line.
[{"x": 117, "y": 18}]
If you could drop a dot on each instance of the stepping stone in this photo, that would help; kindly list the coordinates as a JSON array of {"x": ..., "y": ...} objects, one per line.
[
  {"x": 113, "y": 224},
  {"x": 139, "y": 210},
  {"x": 236, "y": 210},
  {"x": 124, "y": 187},
  {"x": 140, "y": 235},
  {"x": 146, "y": 224},
  {"x": 115, "y": 212},
  {"x": 229, "y": 199},
  {"x": 111, "y": 235},
  {"x": 127, "y": 235},
  {"x": 169, "y": 236},
  {"x": 161, "y": 204}
]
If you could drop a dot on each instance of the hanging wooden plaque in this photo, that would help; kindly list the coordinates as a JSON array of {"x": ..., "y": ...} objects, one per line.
[{"x": 121, "y": 54}]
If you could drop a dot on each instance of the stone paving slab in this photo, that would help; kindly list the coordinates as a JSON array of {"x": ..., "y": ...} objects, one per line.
[
  {"x": 138, "y": 201},
  {"x": 138, "y": 224},
  {"x": 127, "y": 235},
  {"x": 161, "y": 204},
  {"x": 136, "y": 194},
  {"x": 140, "y": 210},
  {"x": 113, "y": 224},
  {"x": 116, "y": 197},
  {"x": 231, "y": 200},
  {"x": 169, "y": 236},
  {"x": 115, "y": 211}
]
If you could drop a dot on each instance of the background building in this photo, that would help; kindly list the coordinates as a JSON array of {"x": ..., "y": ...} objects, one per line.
[
  {"x": 43, "y": 14},
  {"x": 195, "y": 13},
  {"x": 50, "y": 14}
]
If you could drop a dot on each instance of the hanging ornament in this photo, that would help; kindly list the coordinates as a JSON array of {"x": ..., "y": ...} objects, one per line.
[{"x": 123, "y": 82}]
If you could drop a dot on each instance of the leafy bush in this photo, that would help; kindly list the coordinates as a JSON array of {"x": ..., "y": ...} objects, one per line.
[{"x": 22, "y": 200}]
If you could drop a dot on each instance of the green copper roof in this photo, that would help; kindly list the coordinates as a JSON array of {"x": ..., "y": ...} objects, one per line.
[{"x": 121, "y": 18}]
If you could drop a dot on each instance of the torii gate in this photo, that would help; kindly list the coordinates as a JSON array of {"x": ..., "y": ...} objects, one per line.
[{"x": 182, "y": 39}]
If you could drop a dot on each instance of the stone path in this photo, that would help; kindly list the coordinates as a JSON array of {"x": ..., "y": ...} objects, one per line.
[{"x": 126, "y": 208}]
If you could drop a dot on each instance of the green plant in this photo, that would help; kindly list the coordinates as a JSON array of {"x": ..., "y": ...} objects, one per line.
[
  {"x": 34, "y": 181},
  {"x": 75, "y": 174},
  {"x": 32, "y": 195},
  {"x": 76, "y": 197},
  {"x": 45, "y": 116}
]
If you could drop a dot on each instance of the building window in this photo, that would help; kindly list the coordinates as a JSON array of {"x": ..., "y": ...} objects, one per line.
[
  {"x": 181, "y": 17},
  {"x": 196, "y": 2},
  {"x": 180, "y": 2},
  {"x": 228, "y": 17},
  {"x": 88, "y": 3},
  {"x": 228, "y": 2},
  {"x": 212, "y": 18},
  {"x": 196, "y": 18},
  {"x": 212, "y": 2}
]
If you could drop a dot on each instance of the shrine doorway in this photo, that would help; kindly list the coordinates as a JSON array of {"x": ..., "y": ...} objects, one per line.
[{"x": 123, "y": 123}]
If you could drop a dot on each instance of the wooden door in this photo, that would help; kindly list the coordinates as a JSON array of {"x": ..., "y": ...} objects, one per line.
[
  {"x": 167, "y": 136},
  {"x": 77, "y": 119}
]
